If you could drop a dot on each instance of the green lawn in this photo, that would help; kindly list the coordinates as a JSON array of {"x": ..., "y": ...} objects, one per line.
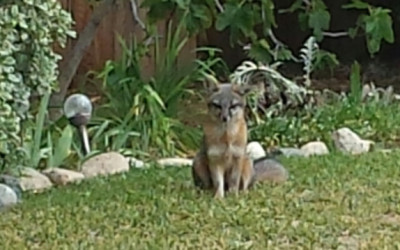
[{"x": 329, "y": 202}]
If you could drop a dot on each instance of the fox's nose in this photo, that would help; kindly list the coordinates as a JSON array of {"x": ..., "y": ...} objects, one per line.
[{"x": 225, "y": 118}]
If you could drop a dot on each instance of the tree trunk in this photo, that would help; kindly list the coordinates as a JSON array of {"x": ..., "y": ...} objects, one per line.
[{"x": 73, "y": 58}]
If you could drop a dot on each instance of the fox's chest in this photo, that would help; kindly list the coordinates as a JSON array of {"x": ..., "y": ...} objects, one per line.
[
  {"x": 225, "y": 151},
  {"x": 225, "y": 144}
]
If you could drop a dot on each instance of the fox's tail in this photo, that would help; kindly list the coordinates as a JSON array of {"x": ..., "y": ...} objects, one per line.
[{"x": 267, "y": 169}]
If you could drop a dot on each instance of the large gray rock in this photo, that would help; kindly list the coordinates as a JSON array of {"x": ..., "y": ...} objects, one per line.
[
  {"x": 314, "y": 148},
  {"x": 7, "y": 196},
  {"x": 255, "y": 150},
  {"x": 105, "y": 164},
  {"x": 60, "y": 176},
  {"x": 270, "y": 170},
  {"x": 13, "y": 183},
  {"x": 347, "y": 141}
]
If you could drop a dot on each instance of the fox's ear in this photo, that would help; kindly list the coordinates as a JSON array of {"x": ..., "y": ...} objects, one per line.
[
  {"x": 211, "y": 83},
  {"x": 245, "y": 89},
  {"x": 242, "y": 89}
]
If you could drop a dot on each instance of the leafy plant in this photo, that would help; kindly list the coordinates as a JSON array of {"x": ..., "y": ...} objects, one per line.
[
  {"x": 325, "y": 59},
  {"x": 139, "y": 115},
  {"x": 28, "y": 31},
  {"x": 372, "y": 120},
  {"x": 355, "y": 85},
  {"x": 243, "y": 17},
  {"x": 58, "y": 153},
  {"x": 371, "y": 93},
  {"x": 308, "y": 55},
  {"x": 377, "y": 25},
  {"x": 33, "y": 148},
  {"x": 46, "y": 145}
]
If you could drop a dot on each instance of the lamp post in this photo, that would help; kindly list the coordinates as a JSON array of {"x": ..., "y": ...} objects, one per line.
[{"x": 78, "y": 110}]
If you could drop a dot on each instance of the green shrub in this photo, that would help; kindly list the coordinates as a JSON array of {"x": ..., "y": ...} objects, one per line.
[
  {"x": 241, "y": 19},
  {"x": 139, "y": 115},
  {"x": 28, "y": 31},
  {"x": 372, "y": 120}
]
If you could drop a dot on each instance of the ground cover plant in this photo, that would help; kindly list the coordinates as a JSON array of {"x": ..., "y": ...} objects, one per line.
[
  {"x": 374, "y": 121},
  {"x": 28, "y": 68},
  {"x": 329, "y": 201}
]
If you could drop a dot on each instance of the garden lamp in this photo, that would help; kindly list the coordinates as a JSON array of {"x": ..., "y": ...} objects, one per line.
[{"x": 78, "y": 110}]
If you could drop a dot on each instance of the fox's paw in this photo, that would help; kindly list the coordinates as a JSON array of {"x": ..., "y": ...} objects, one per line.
[
  {"x": 218, "y": 195},
  {"x": 234, "y": 191}
]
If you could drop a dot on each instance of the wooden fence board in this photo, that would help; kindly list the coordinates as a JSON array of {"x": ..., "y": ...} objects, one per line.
[{"x": 105, "y": 45}]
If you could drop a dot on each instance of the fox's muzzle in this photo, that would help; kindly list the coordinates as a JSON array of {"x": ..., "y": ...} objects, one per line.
[{"x": 225, "y": 115}]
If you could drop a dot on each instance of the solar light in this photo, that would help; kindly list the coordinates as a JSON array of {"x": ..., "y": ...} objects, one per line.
[{"x": 78, "y": 110}]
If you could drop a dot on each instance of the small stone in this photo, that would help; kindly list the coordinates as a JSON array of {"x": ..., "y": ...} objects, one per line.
[
  {"x": 33, "y": 180},
  {"x": 386, "y": 151},
  {"x": 347, "y": 141},
  {"x": 289, "y": 152},
  {"x": 105, "y": 164},
  {"x": 60, "y": 176},
  {"x": 176, "y": 162},
  {"x": 349, "y": 242},
  {"x": 255, "y": 150},
  {"x": 295, "y": 223},
  {"x": 7, "y": 196},
  {"x": 135, "y": 163},
  {"x": 315, "y": 148}
]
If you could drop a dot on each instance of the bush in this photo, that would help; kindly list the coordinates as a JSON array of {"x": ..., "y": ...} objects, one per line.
[
  {"x": 371, "y": 120},
  {"x": 28, "y": 31},
  {"x": 139, "y": 116}
]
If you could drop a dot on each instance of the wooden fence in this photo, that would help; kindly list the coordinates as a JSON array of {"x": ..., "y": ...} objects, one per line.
[{"x": 105, "y": 45}]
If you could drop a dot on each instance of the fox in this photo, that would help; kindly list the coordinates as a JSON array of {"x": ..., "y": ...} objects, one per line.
[{"x": 222, "y": 163}]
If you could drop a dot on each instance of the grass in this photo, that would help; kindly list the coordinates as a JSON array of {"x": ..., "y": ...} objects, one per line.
[{"x": 329, "y": 201}]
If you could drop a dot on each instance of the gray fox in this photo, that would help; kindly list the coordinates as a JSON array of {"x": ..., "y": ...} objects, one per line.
[{"x": 222, "y": 162}]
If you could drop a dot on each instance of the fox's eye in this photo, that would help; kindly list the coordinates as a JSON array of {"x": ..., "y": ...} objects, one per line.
[
  {"x": 235, "y": 106},
  {"x": 216, "y": 105}
]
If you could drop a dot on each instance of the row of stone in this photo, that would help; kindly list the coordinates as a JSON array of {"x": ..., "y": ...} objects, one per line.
[
  {"x": 104, "y": 164},
  {"x": 113, "y": 163}
]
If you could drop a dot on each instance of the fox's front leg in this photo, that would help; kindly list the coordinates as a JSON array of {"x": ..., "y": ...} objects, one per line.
[
  {"x": 201, "y": 173},
  {"x": 217, "y": 176},
  {"x": 234, "y": 177},
  {"x": 247, "y": 172}
]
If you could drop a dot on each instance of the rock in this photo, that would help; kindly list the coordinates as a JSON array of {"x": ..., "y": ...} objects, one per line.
[
  {"x": 314, "y": 148},
  {"x": 13, "y": 183},
  {"x": 105, "y": 164},
  {"x": 33, "y": 180},
  {"x": 255, "y": 150},
  {"x": 271, "y": 170},
  {"x": 7, "y": 196},
  {"x": 288, "y": 152},
  {"x": 60, "y": 176},
  {"x": 177, "y": 162},
  {"x": 347, "y": 141},
  {"x": 133, "y": 162}
]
